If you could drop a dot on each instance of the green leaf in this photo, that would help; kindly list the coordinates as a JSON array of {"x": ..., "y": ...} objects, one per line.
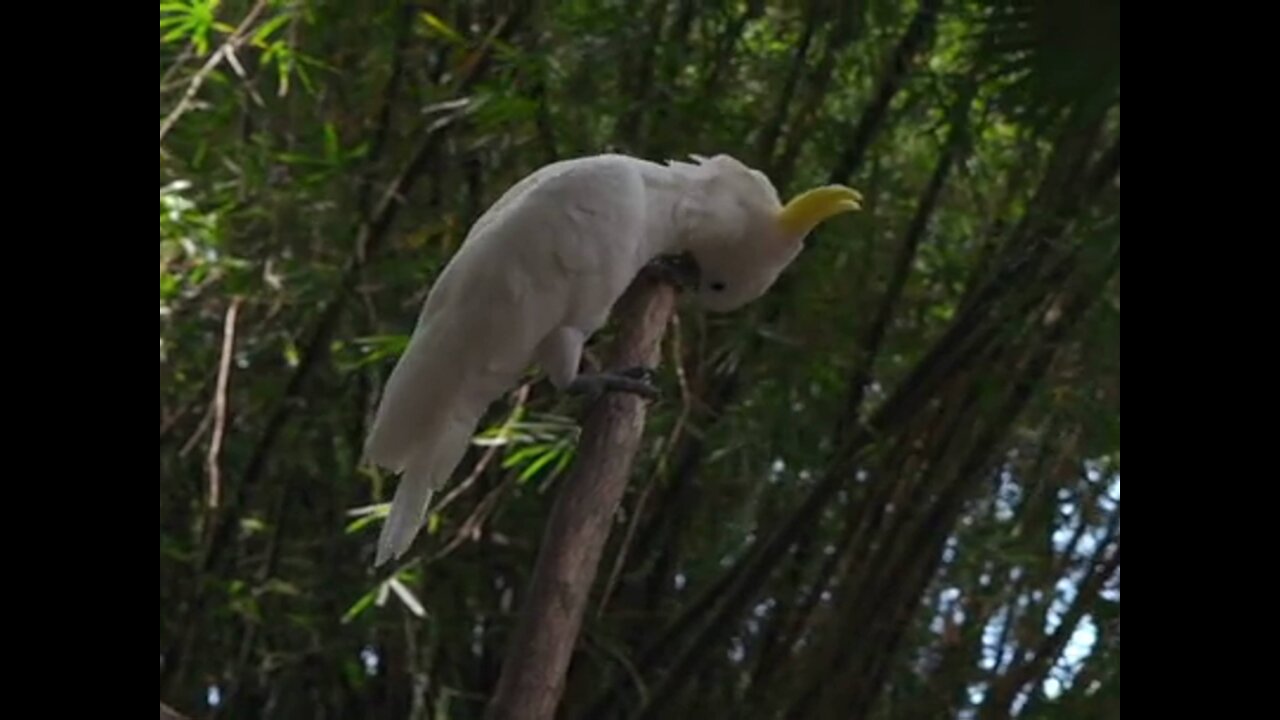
[
  {"x": 291, "y": 354},
  {"x": 366, "y": 516},
  {"x": 379, "y": 509},
  {"x": 175, "y": 34},
  {"x": 280, "y": 587},
  {"x": 359, "y": 606},
  {"x": 265, "y": 30},
  {"x": 252, "y": 525},
  {"x": 519, "y": 456},
  {"x": 406, "y": 596},
  {"x": 332, "y": 146},
  {"x": 299, "y": 159},
  {"x": 442, "y": 28},
  {"x": 540, "y": 463},
  {"x": 563, "y": 463},
  {"x": 359, "y": 524}
]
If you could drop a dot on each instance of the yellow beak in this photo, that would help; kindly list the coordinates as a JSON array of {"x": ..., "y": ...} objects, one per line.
[{"x": 807, "y": 209}]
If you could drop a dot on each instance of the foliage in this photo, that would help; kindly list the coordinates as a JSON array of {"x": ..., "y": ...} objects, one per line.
[{"x": 889, "y": 489}]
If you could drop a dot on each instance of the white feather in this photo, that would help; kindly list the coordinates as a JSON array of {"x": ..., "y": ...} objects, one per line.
[{"x": 547, "y": 261}]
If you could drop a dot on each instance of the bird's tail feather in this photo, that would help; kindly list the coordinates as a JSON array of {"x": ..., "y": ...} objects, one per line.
[{"x": 427, "y": 470}]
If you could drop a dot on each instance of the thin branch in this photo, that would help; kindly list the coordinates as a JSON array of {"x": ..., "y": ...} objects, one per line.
[
  {"x": 390, "y": 92},
  {"x": 842, "y": 33},
  {"x": 240, "y": 72},
  {"x": 233, "y": 40},
  {"x": 772, "y": 130},
  {"x": 171, "y": 419},
  {"x": 187, "y": 51},
  {"x": 621, "y": 658},
  {"x": 213, "y": 462},
  {"x": 918, "y": 37},
  {"x": 168, "y": 713},
  {"x": 640, "y": 80},
  {"x": 472, "y": 526},
  {"x": 206, "y": 420},
  {"x": 873, "y": 337},
  {"x": 720, "y": 62},
  {"x": 621, "y": 557},
  {"x": 1102, "y": 565}
]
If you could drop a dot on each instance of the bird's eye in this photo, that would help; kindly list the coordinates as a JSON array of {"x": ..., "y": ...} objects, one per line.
[{"x": 717, "y": 286}]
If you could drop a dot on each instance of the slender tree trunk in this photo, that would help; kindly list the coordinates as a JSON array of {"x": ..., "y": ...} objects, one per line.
[
  {"x": 537, "y": 658},
  {"x": 917, "y": 38},
  {"x": 870, "y": 342},
  {"x": 722, "y": 388},
  {"x": 772, "y": 130}
]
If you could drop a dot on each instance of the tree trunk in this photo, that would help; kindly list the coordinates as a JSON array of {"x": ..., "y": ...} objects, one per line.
[{"x": 537, "y": 658}]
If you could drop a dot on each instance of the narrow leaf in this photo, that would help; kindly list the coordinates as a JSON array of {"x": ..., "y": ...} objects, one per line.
[{"x": 406, "y": 596}]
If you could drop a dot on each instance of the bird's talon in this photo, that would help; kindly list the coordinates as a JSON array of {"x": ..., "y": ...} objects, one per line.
[
  {"x": 640, "y": 372},
  {"x": 595, "y": 384}
]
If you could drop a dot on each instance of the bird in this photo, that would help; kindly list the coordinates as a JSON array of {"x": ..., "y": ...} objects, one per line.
[{"x": 537, "y": 276}]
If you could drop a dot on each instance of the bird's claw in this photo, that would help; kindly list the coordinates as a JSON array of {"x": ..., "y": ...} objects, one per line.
[
  {"x": 641, "y": 373},
  {"x": 631, "y": 380}
]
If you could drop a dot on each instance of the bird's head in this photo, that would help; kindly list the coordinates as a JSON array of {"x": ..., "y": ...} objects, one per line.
[{"x": 740, "y": 233}]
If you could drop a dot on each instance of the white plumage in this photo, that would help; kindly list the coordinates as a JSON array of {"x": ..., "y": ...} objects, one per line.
[{"x": 538, "y": 274}]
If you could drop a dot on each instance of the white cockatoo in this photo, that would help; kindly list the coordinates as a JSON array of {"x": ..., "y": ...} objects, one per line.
[{"x": 538, "y": 274}]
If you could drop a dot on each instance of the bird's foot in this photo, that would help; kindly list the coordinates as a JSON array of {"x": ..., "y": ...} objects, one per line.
[{"x": 635, "y": 380}]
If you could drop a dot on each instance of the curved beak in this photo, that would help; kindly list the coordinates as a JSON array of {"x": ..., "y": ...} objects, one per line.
[{"x": 808, "y": 209}]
